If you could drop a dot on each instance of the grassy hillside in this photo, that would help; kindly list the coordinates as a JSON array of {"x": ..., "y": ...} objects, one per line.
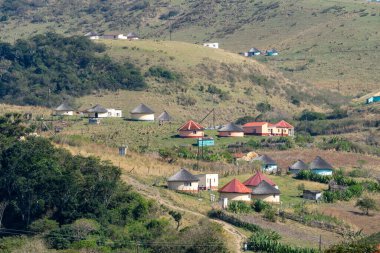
[{"x": 332, "y": 44}]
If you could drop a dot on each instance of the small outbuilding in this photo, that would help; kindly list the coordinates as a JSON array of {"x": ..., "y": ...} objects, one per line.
[
  {"x": 256, "y": 179},
  {"x": 253, "y": 52},
  {"x": 312, "y": 195},
  {"x": 183, "y": 180},
  {"x": 298, "y": 166},
  {"x": 373, "y": 99},
  {"x": 97, "y": 111},
  {"x": 271, "y": 52},
  {"x": 266, "y": 192},
  {"x": 132, "y": 36},
  {"x": 64, "y": 110},
  {"x": 321, "y": 167},
  {"x": 191, "y": 129},
  {"x": 284, "y": 128},
  {"x": 211, "y": 45},
  {"x": 235, "y": 191},
  {"x": 142, "y": 113},
  {"x": 208, "y": 181},
  {"x": 164, "y": 117},
  {"x": 267, "y": 163},
  {"x": 231, "y": 130}
]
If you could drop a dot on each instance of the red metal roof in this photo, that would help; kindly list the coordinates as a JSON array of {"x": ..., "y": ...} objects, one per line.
[
  {"x": 283, "y": 124},
  {"x": 235, "y": 186},
  {"x": 256, "y": 179},
  {"x": 271, "y": 125},
  {"x": 250, "y": 124},
  {"x": 191, "y": 126}
]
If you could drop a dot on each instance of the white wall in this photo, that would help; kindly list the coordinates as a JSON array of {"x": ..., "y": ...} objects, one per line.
[
  {"x": 64, "y": 113},
  {"x": 236, "y": 196},
  {"x": 183, "y": 186},
  {"x": 208, "y": 181},
  {"x": 142, "y": 117},
  {"x": 268, "y": 198},
  {"x": 212, "y": 45},
  {"x": 116, "y": 113}
]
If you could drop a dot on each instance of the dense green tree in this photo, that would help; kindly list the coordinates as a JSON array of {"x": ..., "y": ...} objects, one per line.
[{"x": 365, "y": 204}]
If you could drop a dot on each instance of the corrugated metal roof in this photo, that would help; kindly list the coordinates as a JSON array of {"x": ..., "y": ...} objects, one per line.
[
  {"x": 264, "y": 188},
  {"x": 191, "y": 126},
  {"x": 249, "y": 124},
  {"x": 142, "y": 109},
  {"x": 183, "y": 176},
  {"x": 283, "y": 124},
  {"x": 235, "y": 186},
  {"x": 256, "y": 179}
]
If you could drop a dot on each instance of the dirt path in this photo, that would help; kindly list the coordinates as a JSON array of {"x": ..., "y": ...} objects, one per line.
[{"x": 152, "y": 193}]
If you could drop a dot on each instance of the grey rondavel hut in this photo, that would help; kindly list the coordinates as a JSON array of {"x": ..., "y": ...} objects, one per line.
[
  {"x": 266, "y": 192},
  {"x": 97, "y": 111},
  {"x": 321, "y": 167},
  {"x": 164, "y": 117},
  {"x": 142, "y": 113},
  {"x": 183, "y": 180},
  {"x": 64, "y": 110},
  {"x": 298, "y": 166},
  {"x": 267, "y": 163}
]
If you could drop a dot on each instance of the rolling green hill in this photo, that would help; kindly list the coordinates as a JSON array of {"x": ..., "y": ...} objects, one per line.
[{"x": 332, "y": 44}]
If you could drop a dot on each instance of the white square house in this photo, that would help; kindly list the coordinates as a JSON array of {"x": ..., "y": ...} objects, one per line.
[
  {"x": 114, "y": 113},
  {"x": 208, "y": 181},
  {"x": 211, "y": 45}
]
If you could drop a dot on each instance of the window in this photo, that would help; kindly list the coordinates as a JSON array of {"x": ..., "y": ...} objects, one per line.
[
  {"x": 194, "y": 132},
  {"x": 187, "y": 183}
]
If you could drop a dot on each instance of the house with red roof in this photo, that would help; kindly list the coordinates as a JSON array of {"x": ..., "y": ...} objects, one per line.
[
  {"x": 235, "y": 191},
  {"x": 256, "y": 179},
  {"x": 191, "y": 129},
  {"x": 281, "y": 128}
]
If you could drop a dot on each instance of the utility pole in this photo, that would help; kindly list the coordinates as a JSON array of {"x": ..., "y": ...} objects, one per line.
[{"x": 170, "y": 28}]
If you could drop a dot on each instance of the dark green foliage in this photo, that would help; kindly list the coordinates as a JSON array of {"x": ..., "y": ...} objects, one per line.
[
  {"x": 337, "y": 114},
  {"x": 164, "y": 73},
  {"x": 259, "y": 205},
  {"x": 223, "y": 95},
  {"x": 263, "y": 107},
  {"x": 365, "y": 204},
  {"x": 270, "y": 214},
  {"x": 309, "y": 175},
  {"x": 340, "y": 144},
  {"x": 46, "y": 67},
  {"x": 244, "y": 120},
  {"x": 311, "y": 115},
  {"x": 239, "y": 207},
  {"x": 168, "y": 15},
  {"x": 280, "y": 143},
  {"x": 177, "y": 216}
]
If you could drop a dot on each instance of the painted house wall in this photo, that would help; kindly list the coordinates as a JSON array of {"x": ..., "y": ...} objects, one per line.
[
  {"x": 323, "y": 172},
  {"x": 268, "y": 198},
  {"x": 312, "y": 196},
  {"x": 269, "y": 167},
  {"x": 183, "y": 186},
  {"x": 373, "y": 99},
  {"x": 142, "y": 117},
  {"x": 235, "y": 196},
  {"x": 212, "y": 45},
  {"x": 115, "y": 113},
  {"x": 231, "y": 134},
  {"x": 97, "y": 115},
  {"x": 191, "y": 134},
  {"x": 256, "y": 130},
  {"x": 64, "y": 113},
  {"x": 208, "y": 181}
]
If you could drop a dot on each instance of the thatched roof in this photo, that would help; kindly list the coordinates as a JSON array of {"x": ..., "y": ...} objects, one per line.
[
  {"x": 264, "y": 188},
  {"x": 164, "y": 116},
  {"x": 183, "y": 176},
  {"x": 299, "y": 165},
  {"x": 265, "y": 159},
  {"x": 142, "y": 109},
  {"x": 97, "y": 109},
  {"x": 64, "y": 107},
  {"x": 319, "y": 163},
  {"x": 231, "y": 127}
]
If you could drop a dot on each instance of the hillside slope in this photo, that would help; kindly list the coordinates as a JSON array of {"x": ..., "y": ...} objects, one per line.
[{"x": 332, "y": 44}]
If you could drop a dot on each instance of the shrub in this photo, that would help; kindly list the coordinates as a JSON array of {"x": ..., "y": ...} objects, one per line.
[
  {"x": 270, "y": 214},
  {"x": 259, "y": 205},
  {"x": 43, "y": 225},
  {"x": 186, "y": 100},
  {"x": 161, "y": 72},
  {"x": 239, "y": 207},
  {"x": 263, "y": 107},
  {"x": 310, "y": 116}
]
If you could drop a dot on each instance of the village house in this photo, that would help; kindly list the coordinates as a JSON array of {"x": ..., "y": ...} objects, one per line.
[
  {"x": 266, "y": 192},
  {"x": 256, "y": 179},
  {"x": 231, "y": 130},
  {"x": 113, "y": 36},
  {"x": 267, "y": 163},
  {"x": 142, "y": 113},
  {"x": 99, "y": 111},
  {"x": 321, "y": 167},
  {"x": 63, "y": 110},
  {"x": 271, "y": 52},
  {"x": 208, "y": 181},
  {"x": 253, "y": 52},
  {"x": 298, "y": 166},
  {"x": 235, "y": 191},
  {"x": 183, "y": 180},
  {"x": 92, "y": 35},
  {"x": 373, "y": 99},
  {"x": 281, "y": 128},
  {"x": 132, "y": 36},
  {"x": 312, "y": 195},
  {"x": 191, "y": 129},
  {"x": 164, "y": 117},
  {"x": 211, "y": 45}
]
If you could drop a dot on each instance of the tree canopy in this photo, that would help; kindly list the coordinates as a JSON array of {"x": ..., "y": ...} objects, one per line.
[{"x": 42, "y": 69}]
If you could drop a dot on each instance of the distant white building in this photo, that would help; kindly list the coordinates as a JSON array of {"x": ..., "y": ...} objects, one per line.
[
  {"x": 92, "y": 35},
  {"x": 99, "y": 111},
  {"x": 208, "y": 181},
  {"x": 63, "y": 110},
  {"x": 212, "y": 45},
  {"x": 114, "y": 36}
]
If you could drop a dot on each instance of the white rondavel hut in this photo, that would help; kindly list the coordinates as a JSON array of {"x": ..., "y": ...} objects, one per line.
[
  {"x": 64, "y": 110},
  {"x": 183, "y": 180},
  {"x": 164, "y": 117},
  {"x": 142, "y": 113}
]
